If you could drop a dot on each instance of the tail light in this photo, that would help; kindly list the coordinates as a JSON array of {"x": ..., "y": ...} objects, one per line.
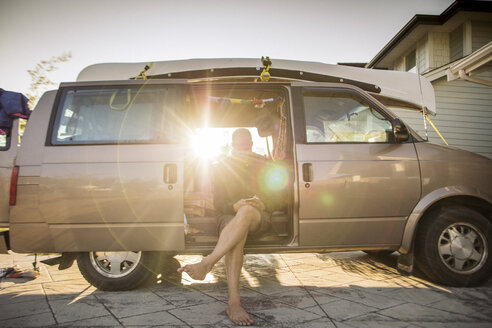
[{"x": 13, "y": 185}]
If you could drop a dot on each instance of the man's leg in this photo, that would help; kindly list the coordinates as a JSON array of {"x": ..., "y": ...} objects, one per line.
[
  {"x": 247, "y": 219},
  {"x": 234, "y": 264}
]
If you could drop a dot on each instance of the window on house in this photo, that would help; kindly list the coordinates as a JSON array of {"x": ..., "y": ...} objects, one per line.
[{"x": 411, "y": 62}]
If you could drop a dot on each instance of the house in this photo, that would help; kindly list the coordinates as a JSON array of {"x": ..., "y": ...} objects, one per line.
[{"x": 454, "y": 51}]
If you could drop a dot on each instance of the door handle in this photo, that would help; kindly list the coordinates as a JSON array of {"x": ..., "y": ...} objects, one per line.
[
  {"x": 307, "y": 172},
  {"x": 170, "y": 173}
]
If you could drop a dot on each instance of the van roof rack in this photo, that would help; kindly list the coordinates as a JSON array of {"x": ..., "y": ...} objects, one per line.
[{"x": 254, "y": 72}]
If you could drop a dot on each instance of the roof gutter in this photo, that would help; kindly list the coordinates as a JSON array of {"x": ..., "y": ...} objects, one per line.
[
  {"x": 466, "y": 77},
  {"x": 473, "y": 64}
]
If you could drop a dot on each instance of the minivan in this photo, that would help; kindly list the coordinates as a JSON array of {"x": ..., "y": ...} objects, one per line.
[{"x": 116, "y": 169}]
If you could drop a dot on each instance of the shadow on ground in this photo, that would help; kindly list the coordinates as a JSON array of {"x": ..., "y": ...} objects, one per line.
[{"x": 303, "y": 290}]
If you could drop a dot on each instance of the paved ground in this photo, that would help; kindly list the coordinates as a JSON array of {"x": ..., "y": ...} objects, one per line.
[{"x": 284, "y": 290}]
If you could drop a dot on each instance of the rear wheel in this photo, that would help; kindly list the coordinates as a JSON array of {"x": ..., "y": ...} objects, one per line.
[
  {"x": 116, "y": 270},
  {"x": 454, "y": 247}
]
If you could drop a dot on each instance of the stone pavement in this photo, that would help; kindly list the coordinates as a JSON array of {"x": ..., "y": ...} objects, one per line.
[{"x": 344, "y": 290}]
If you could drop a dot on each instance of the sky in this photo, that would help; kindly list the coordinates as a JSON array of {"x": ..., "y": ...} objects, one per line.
[{"x": 97, "y": 31}]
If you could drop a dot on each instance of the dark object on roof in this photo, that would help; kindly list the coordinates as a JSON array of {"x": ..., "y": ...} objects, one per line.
[{"x": 12, "y": 105}]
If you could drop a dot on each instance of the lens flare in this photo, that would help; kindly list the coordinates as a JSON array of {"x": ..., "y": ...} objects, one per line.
[
  {"x": 327, "y": 199},
  {"x": 276, "y": 178}
]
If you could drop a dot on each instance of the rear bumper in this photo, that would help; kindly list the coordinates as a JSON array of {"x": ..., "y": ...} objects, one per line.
[{"x": 4, "y": 242}]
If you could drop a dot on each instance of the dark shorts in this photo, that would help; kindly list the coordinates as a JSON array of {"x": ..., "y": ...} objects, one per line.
[{"x": 264, "y": 226}]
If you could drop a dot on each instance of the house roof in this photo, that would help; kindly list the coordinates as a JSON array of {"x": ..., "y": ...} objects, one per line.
[{"x": 416, "y": 28}]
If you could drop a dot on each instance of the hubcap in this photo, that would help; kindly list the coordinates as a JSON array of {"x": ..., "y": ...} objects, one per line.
[
  {"x": 115, "y": 264},
  {"x": 463, "y": 248}
]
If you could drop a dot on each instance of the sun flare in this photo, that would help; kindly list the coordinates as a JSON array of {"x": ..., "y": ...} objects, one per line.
[{"x": 210, "y": 143}]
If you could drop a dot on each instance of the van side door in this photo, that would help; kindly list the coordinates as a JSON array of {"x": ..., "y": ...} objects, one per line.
[
  {"x": 356, "y": 186},
  {"x": 111, "y": 177}
]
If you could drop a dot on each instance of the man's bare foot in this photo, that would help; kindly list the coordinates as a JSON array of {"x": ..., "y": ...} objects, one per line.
[
  {"x": 238, "y": 315},
  {"x": 197, "y": 271}
]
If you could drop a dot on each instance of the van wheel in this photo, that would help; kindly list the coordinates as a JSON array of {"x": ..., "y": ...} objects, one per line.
[
  {"x": 116, "y": 270},
  {"x": 454, "y": 247}
]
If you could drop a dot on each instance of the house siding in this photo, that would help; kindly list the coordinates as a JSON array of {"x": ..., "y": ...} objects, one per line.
[
  {"x": 464, "y": 115},
  {"x": 482, "y": 34},
  {"x": 399, "y": 64},
  {"x": 422, "y": 55},
  {"x": 456, "y": 43},
  {"x": 438, "y": 49}
]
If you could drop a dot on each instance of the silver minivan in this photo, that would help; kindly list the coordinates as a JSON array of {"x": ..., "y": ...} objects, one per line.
[{"x": 117, "y": 171}]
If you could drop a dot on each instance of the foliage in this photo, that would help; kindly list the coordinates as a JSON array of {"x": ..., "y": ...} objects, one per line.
[
  {"x": 40, "y": 81},
  {"x": 39, "y": 76}
]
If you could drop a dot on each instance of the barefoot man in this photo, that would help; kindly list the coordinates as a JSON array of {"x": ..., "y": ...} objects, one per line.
[{"x": 241, "y": 213}]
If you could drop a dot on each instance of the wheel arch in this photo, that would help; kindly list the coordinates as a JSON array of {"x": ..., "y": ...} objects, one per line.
[{"x": 456, "y": 195}]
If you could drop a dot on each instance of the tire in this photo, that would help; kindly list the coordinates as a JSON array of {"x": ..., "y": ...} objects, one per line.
[
  {"x": 116, "y": 270},
  {"x": 454, "y": 247}
]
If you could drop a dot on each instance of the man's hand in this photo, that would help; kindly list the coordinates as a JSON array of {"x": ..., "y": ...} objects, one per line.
[{"x": 255, "y": 202}]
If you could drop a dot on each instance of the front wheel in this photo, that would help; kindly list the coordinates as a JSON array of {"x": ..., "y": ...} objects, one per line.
[
  {"x": 116, "y": 270},
  {"x": 454, "y": 247}
]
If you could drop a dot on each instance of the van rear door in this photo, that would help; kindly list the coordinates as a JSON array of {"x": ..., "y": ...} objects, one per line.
[
  {"x": 112, "y": 172},
  {"x": 8, "y": 150}
]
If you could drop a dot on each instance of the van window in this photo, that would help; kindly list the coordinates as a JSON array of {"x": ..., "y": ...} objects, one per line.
[
  {"x": 108, "y": 115},
  {"x": 333, "y": 117},
  {"x": 215, "y": 113},
  {"x": 4, "y": 142}
]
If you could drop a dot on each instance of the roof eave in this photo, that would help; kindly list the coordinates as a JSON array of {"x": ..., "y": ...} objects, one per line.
[
  {"x": 481, "y": 6},
  {"x": 404, "y": 32}
]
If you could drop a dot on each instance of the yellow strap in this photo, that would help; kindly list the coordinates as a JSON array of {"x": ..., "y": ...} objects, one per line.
[
  {"x": 142, "y": 75},
  {"x": 439, "y": 133},
  {"x": 128, "y": 99}
]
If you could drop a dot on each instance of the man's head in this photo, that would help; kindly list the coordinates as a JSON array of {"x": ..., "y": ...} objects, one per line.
[{"x": 242, "y": 140}]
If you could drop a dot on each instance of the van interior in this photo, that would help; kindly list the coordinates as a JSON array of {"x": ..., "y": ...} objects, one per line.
[{"x": 212, "y": 116}]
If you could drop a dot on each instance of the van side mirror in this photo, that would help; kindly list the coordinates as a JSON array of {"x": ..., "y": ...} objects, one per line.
[{"x": 400, "y": 131}]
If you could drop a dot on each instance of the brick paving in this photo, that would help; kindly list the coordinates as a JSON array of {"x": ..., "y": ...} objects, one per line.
[{"x": 345, "y": 290}]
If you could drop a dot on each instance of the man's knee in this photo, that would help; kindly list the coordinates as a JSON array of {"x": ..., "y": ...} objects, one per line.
[{"x": 249, "y": 213}]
